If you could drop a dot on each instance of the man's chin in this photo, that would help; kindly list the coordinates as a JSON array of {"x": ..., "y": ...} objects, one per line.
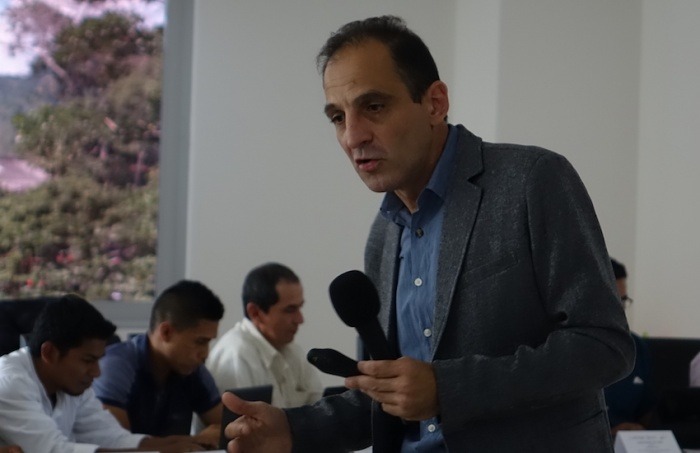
[
  {"x": 374, "y": 184},
  {"x": 75, "y": 392},
  {"x": 187, "y": 371}
]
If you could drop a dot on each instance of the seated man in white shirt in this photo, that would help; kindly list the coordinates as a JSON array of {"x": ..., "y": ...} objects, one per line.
[
  {"x": 695, "y": 371},
  {"x": 46, "y": 401},
  {"x": 260, "y": 349}
]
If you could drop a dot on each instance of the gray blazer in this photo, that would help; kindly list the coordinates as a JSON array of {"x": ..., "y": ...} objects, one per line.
[{"x": 528, "y": 327}]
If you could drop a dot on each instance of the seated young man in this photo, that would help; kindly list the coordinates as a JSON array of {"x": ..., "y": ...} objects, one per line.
[
  {"x": 46, "y": 402},
  {"x": 154, "y": 382}
]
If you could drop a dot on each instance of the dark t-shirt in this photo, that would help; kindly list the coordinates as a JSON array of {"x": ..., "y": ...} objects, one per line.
[{"x": 127, "y": 382}]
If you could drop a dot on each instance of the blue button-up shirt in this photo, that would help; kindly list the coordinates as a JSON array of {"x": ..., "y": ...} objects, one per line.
[{"x": 416, "y": 290}]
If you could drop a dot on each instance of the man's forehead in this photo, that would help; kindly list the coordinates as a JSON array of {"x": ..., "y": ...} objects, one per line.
[
  {"x": 289, "y": 293},
  {"x": 90, "y": 346},
  {"x": 201, "y": 326},
  {"x": 357, "y": 61}
]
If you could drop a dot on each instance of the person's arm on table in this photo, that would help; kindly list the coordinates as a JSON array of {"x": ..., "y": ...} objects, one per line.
[
  {"x": 120, "y": 414},
  {"x": 209, "y": 436},
  {"x": 11, "y": 449}
]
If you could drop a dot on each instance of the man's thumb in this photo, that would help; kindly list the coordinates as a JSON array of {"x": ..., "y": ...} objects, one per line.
[{"x": 238, "y": 405}]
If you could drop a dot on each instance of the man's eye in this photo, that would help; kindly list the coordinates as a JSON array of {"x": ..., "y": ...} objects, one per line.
[
  {"x": 336, "y": 119},
  {"x": 374, "y": 108}
]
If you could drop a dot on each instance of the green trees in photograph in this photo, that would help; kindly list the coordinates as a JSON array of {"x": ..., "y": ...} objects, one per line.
[{"x": 91, "y": 227}]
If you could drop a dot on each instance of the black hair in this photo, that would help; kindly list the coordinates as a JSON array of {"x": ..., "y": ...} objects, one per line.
[
  {"x": 414, "y": 63},
  {"x": 185, "y": 304},
  {"x": 260, "y": 284},
  {"x": 67, "y": 323},
  {"x": 618, "y": 269}
]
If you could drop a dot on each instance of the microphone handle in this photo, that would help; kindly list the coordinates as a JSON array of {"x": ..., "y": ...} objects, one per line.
[
  {"x": 333, "y": 362},
  {"x": 374, "y": 340}
]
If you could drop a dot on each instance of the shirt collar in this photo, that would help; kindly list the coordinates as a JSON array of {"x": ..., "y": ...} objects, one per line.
[
  {"x": 267, "y": 351},
  {"x": 437, "y": 185}
]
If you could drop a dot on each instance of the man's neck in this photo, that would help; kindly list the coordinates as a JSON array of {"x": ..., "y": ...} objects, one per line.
[
  {"x": 160, "y": 368},
  {"x": 45, "y": 379},
  {"x": 410, "y": 197}
]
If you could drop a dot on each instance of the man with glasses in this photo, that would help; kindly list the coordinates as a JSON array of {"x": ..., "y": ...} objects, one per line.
[{"x": 630, "y": 401}]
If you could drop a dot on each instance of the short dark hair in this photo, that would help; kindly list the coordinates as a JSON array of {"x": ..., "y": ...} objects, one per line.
[
  {"x": 185, "y": 304},
  {"x": 259, "y": 285},
  {"x": 618, "y": 269},
  {"x": 414, "y": 63},
  {"x": 67, "y": 323}
]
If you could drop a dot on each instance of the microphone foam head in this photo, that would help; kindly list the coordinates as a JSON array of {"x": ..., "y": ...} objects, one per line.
[{"x": 354, "y": 298}]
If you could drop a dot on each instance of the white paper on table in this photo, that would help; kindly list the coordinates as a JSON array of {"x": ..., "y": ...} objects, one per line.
[{"x": 646, "y": 442}]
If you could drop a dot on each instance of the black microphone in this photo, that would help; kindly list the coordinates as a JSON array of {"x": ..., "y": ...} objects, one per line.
[
  {"x": 356, "y": 301},
  {"x": 333, "y": 362}
]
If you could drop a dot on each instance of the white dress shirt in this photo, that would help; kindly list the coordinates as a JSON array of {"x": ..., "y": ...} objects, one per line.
[
  {"x": 695, "y": 371},
  {"x": 244, "y": 358},
  {"x": 76, "y": 424}
]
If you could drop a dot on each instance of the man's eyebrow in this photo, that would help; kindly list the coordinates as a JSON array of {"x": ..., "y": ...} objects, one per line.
[
  {"x": 364, "y": 98},
  {"x": 329, "y": 108},
  {"x": 372, "y": 95}
]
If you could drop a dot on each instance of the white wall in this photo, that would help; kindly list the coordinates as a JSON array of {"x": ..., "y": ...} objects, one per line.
[
  {"x": 667, "y": 246},
  {"x": 562, "y": 74},
  {"x": 267, "y": 181}
]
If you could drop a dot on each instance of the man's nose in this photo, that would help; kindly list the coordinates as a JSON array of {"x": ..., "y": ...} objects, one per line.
[{"x": 357, "y": 132}]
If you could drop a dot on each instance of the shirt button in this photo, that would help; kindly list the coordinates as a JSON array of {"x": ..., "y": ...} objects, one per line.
[
  {"x": 418, "y": 281},
  {"x": 427, "y": 333},
  {"x": 431, "y": 428},
  {"x": 419, "y": 232}
]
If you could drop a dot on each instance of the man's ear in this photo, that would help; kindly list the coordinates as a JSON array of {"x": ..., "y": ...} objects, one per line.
[
  {"x": 49, "y": 352},
  {"x": 165, "y": 330},
  {"x": 253, "y": 311},
  {"x": 437, "y": 102}
]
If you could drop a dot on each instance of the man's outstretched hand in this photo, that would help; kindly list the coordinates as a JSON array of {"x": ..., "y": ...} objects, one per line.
[{"x": 261, "y": 428}]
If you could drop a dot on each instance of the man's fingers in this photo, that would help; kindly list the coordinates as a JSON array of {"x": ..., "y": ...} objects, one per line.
[
  {"x": 252, "y": 409},
  {"x": 376, "y": 375},
  {"x": 382, "y": 369},
  {"x": 237, "y": 405},
  {"x": 234, "y": 446},
  {"x": 248, "y": 412}
]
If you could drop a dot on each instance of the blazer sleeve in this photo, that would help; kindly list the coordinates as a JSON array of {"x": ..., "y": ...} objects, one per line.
[{"x": 338, "y": 423}]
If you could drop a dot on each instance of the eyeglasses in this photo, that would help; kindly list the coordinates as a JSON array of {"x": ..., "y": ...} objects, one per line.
[{"x": 626, "y": 300}]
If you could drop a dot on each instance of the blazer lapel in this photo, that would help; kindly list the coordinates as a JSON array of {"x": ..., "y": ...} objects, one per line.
[
  {"x": 387, "y": 282},
  {"x": 461, "y": 207}
]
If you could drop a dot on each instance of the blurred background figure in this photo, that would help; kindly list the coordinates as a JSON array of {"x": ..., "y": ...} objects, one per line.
[{"x": 631, "y": 401}]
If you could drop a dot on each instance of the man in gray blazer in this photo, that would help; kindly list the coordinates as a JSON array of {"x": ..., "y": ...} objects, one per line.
[{"x": 492, "y": 272}]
